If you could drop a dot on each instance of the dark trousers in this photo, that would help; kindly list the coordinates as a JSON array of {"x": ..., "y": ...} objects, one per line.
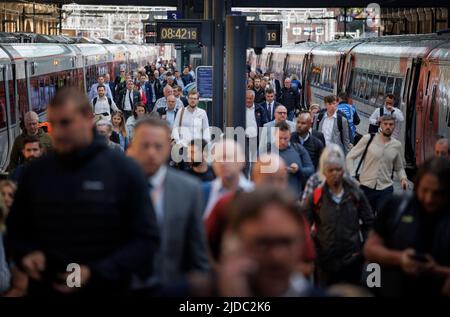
[
  {"x": 350, "y": 273},
  {"x": 377, "y": 198}
]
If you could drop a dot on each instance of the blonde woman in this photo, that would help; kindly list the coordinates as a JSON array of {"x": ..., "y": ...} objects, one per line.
[{"x": 118, "y": 124}]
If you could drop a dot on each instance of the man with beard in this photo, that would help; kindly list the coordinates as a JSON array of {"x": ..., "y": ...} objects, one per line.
[
  {"x": 379, "y": 155},
  {"x": 32, "y": 149}
]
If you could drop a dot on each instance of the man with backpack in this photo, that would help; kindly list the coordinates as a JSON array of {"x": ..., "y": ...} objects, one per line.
[
  {"x": 102, "y": 105},
  {"x": 379, "y": 156},
  {"x": 387, "y": 109},
  {"x": 351, "y": 115},
  {"x": 341, "y": 218},
  {"x": 333, "y": 124}
]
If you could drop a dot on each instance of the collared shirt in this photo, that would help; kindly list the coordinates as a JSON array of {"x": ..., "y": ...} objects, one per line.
[
  {"x": 270, "y": 110},
  {"x": 194, "y": 126},
  {"x": 170, "y": 117},
  {"x": 157, "y": 192},
  {"x": 251, "y": 127},
  {"x": 128, "y": 103},
  {"x": 102, "y": 105},
  {"x": 327, "y": 127},
  {"x": 217, "y": 191},
  {"x": 152, "y": 84},
  {"x": 396, "y": 113},
  {"x": 303, "y": 140},
  {"x": 381, "y": 160},
  {"x": 162, "y": 103}
]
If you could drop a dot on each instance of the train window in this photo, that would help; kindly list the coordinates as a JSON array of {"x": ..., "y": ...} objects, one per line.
[
  {"x": 374, "y": 89},
  {"x": 354, "y": 82},
  {"x": 42, "y": 93},
  {"x": 433, "y": 103},
  {"x": 23, "y": 95},
  {"x": 3, "y": 114},
  {"x": 12, "y": 108},
  {"x": 390, "y": 85},
  {"x": 34, "y": 94},
  {"x": 369, "y": 86},
  {"x": 398, "y": 89},
  {"x": 362, "y": 85},
  {"x": 381, "y": 91},
  {"x": 427, "y": 84}
]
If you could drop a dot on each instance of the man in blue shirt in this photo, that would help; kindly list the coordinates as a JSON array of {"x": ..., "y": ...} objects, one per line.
[
  {"x": 299, "y": 164},
  {"x": 350, "y": 112}
]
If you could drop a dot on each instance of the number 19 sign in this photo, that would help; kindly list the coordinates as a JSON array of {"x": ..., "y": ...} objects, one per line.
[{"x": 274, "y": 32}]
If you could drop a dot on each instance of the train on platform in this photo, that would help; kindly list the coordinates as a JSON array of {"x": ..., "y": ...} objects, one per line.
[
  {"x": 30, "y": 75},
  {"x": 415, "y": 68}
]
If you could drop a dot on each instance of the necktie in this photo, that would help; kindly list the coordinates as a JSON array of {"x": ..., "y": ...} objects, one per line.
[
  {"x": 131, "y": 99},
  {"x": 270, "y": 111}
]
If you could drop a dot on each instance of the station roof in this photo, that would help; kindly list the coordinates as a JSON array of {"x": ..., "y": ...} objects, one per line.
[{"x": 270, "y": 3}]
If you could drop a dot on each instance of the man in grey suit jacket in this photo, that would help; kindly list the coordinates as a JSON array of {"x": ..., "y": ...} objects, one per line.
[
  {"x": 268, "y": 132},
  {"x": 333, "y": 124},
  {"x": 177, "y": 200}
]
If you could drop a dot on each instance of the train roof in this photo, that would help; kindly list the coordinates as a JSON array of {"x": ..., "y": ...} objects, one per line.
[
  {"x": 91, "y": 49},
  {"x": 441, "y": 53},
  {"x": 397, "y": 47},
  {"x": 37, "y": 50}
]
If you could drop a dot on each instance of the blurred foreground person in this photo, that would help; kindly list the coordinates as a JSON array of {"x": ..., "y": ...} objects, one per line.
[
  {"x": 73, "y": 207},
  {"x": 269, "y": 170},
  {"x": 177, "y": 198},
  {"x": 263, "y": 247},
  {"x": 341, "y": 218},
  {"x": 411, "y": 236}
]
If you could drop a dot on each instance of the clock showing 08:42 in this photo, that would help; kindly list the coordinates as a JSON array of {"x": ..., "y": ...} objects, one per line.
[{"x": 171, "y": 33}]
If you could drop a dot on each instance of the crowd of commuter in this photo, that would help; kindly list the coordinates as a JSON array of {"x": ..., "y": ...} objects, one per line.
[{"x": 302, "y": 207}]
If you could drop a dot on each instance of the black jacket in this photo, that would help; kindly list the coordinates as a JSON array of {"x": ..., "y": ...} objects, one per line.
[
  {"x": 135, "y": 99},
  {"x": 319, "y": 135},
  {"x": 313, "y": 145},
  {"x": 337, "y": 238},
  {"x": 90, "y": 208},
  {"x": 271, "y": 116},
  {"x": 259, "y": 96},
  {"x": 290, "y": 98}
]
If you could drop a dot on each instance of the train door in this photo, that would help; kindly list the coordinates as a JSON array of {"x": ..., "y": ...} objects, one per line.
[
  {"x": 430, "y": 111},
  {"x": 409, "y": 110},
  {"x": 5, "y": 120}
]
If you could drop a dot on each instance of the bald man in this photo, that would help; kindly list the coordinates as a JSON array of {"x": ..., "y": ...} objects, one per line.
[
  {"x": 162, "y": 102},
  {"x": 304, "y": 136},
  {"x": 169, "y": 112},
  {"x": 441, "y": 148},
  {"x": 31, "y": 123}
]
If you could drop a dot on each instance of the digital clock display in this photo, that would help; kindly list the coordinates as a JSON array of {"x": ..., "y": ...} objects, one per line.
[{"x": 176, "y": 33}]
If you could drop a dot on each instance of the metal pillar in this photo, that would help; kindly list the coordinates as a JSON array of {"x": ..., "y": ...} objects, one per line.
[
  {"x": 207, "y": 50},
  {"x": 218, "y": 8},
  {"x": 236, "y": 46}
]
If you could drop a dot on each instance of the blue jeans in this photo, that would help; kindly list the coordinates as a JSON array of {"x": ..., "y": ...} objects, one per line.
[{"x": 377, "y": 198}]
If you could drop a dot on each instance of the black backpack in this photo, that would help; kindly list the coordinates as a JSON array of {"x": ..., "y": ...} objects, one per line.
[
  {"x": 373, "y": 128},
  {"x": 94, "y": 101},
  {"x": 339, "y": 123}
]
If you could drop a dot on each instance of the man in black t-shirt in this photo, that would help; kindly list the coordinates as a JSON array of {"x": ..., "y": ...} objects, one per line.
[{"x": 411, "y": 236}]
